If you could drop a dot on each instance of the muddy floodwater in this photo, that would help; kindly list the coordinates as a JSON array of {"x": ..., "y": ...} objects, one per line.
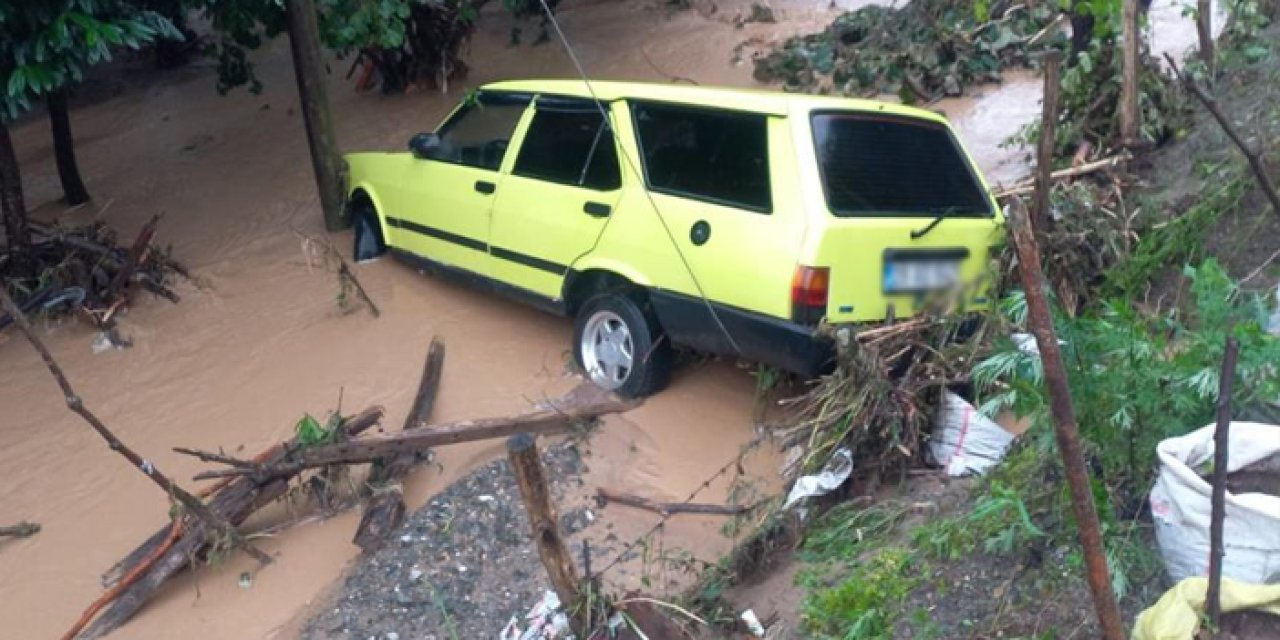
[{"x": 258, "y": 340}]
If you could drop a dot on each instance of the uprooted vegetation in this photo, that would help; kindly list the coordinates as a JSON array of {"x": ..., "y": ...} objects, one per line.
[{"x": 920, "y": 52}]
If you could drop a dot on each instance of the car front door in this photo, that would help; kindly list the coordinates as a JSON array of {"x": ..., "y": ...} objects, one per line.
[
  {"x": 446, "y": 195},
  {"x": 563, "y": 185}
]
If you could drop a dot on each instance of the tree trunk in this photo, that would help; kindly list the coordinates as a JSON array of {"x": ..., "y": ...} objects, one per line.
[
  {"x": 309, "y": 67},
  {"x": 1129, "y": 76},
  {"x": 15, "y": 209},
  {"x": 1043, "y": 220},
  {"x": 64, "y": 148},
  {"x": 1204, "y": 27}
]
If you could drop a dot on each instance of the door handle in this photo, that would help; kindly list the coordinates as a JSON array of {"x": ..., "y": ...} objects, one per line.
[
  {"x": 597, "y": 209},
  {"x": 485, "y": 187}
]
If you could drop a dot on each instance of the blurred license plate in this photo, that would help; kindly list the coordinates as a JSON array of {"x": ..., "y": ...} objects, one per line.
[{"x": 903, "y": 276}]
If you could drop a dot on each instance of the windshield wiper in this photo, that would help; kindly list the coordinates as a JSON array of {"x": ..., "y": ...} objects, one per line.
[{"x": 939, "y": 213}]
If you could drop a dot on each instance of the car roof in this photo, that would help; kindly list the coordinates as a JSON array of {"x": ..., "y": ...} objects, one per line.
[{"x": 756, "y": 100}]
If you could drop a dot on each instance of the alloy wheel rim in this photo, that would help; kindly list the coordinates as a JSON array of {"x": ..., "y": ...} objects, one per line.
[{"x": 608, "y": 351}]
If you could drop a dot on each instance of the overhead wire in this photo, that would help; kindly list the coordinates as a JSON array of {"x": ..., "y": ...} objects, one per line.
[{"x": 697, "y": 284}]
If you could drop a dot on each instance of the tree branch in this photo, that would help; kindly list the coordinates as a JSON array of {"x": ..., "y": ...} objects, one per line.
[{"x": 1255, "y": 160}]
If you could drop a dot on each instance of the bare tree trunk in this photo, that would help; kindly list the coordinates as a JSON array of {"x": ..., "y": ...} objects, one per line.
[
  {"x": 1043, "y": 220},
  {"x": 64, "y": 148},
  {"x": 1218, "y": 499},
  {"x": 1204, "y": 26},
  {"x": 308, "y": 66},
  {"x": 1129, "y": 76},
  {"x": 15, "y": 209}
]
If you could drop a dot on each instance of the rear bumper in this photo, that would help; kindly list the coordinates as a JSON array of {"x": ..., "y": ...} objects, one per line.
[{"x": 772, "y": 341}]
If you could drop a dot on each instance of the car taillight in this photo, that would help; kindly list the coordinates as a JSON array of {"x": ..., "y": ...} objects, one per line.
[{"x": 809, "y": 294}]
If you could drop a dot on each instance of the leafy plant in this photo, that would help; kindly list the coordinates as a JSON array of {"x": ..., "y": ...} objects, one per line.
[{"x": 864, "y": 605}]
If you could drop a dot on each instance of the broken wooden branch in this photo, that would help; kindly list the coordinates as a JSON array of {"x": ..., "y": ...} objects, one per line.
[
  {"x": 1218, "y": 499},
  {"x": 236, "y": 501},
  {"x": 669, "y": 508},
  {"x": 20, "y": 530},
  {"x": 526, "y": 466},
  {"x": 1066, "y": 429},
  {"x": 1042, "y": 216},
  {"x": 209, "y": 456},
  {"x": 1250, "y": 154},
  {"x": 361, "y": 450},
  {"x": 136, "y": 255},
  {"x": 384, "y": 510},
  {"x": 1027, "y": 186},
  {"x": 191, "y": 504}
]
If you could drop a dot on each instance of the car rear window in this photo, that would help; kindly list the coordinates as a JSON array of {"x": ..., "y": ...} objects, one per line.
[
  {"x": 713, "y": 155},
  {"x": 886, "y": 166},
  {"x": 568, "y": 142}
]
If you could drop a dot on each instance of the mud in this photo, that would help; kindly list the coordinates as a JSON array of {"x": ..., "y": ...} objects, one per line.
[{"x": 258, "y": 339}]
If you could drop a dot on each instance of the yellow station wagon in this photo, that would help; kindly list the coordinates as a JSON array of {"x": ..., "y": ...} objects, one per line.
[{"x": 727, "y": 221}]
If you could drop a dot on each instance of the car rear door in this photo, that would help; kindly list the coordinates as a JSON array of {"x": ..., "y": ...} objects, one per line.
[
  {"x": 907, "y": 215},
  {"x": 444, "y": 202},
  {"x": 562, "y": 188}
]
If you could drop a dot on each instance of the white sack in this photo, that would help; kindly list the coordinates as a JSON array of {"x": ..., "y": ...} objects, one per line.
[
  {"x": 1180, "y": 506},
  {"x": 965, "y": 441}
]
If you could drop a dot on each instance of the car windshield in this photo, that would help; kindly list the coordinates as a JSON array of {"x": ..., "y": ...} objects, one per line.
[{"x": 874, "y": 165}]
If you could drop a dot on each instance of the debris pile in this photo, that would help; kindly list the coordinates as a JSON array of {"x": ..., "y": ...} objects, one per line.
[
  {"x": 84, "y": 271},
  {"x": 921, "y": 52}
]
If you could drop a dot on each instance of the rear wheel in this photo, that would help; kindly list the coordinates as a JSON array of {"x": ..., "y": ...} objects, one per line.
[{"x": 620, "y": 346}]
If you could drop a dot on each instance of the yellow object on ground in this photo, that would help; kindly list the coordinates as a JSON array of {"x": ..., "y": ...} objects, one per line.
[{"x": 1177, "y": 615}]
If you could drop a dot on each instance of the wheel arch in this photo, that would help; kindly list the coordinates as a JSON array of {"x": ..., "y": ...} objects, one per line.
[
  {"x": 580, "y": 286},
  {"x": 361, "y": 194}
]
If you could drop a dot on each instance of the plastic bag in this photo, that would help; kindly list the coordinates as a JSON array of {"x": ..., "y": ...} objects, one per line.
[
  {"x": 1180, "y": 507},
  {"x": 965, "y": 441},
  {"x": 1176, "y": 616},
  {"x": 833, "y": 474}
]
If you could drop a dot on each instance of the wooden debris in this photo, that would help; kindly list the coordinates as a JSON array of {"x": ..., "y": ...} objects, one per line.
[
  {"x": 1028, "y": 186},
  {"x": 526, "y": 466},
  {"x": 384, "y": 511},
  {"x": 20, "y": 530},
  {"x": 668, "y": 508},
  {"x": 235, "y": 502},
  {"x": 557, "y": 418}
]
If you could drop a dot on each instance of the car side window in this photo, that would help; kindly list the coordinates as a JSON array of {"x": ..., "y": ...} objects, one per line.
[
  {"x": 570, "y": 143},
  {"x": 478, "y": 134},
  {"x": 706, "y": 154}
]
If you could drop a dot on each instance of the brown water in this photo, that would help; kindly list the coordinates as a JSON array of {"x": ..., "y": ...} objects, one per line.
[{"x": 261, "y": 341}]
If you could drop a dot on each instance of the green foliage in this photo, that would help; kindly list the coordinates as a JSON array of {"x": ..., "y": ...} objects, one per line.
[
  {"x": 865, "y": 604},
  {"x": 1138, "y": 378},
  {"x": 919, "y": 51},
  {"x": 51, "y": 43},
  {"x": 311, "y": 433},
  {"x": 843, "y": 531}
]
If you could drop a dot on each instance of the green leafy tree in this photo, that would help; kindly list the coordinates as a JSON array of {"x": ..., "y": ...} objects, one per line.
[{"x": 48, "y": 45}]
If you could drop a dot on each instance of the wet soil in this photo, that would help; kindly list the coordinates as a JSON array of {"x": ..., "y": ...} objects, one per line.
[{"x": 1248, "y": 625}]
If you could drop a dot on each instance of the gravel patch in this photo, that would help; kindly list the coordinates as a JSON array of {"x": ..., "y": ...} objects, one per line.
[{"x": 459, "y": 567}]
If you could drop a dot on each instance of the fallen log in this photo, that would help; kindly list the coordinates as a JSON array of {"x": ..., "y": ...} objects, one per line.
[
  {"x": 384, "y": 511},
  {"x": 235, "y": 503},
  {"x": 669, "y": 508},
  {"x": 20, "y": 530},
  {"x": 558, "y": 418},
  {"x": 137, "y": 253}
]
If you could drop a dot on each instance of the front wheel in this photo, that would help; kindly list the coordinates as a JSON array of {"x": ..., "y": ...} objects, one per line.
[{"x": 620, "y": 347}]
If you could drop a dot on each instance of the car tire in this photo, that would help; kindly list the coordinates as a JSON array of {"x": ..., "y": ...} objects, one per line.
[
  {"x": 620, "y": 347},
  {"x": 368, "y": 240}
]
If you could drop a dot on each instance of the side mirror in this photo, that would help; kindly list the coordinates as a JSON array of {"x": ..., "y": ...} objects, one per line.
[{"x": 424, "y": 145}]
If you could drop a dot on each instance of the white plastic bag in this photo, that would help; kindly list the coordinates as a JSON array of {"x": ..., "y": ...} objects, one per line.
[
  {"x": 832, "y": 475},
  {"x": 1180, "y": 506},
  {"x": 965, "y": 441}
]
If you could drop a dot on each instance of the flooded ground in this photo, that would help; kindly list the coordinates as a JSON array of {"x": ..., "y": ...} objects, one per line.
[{"x": 259, "y": 341}]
